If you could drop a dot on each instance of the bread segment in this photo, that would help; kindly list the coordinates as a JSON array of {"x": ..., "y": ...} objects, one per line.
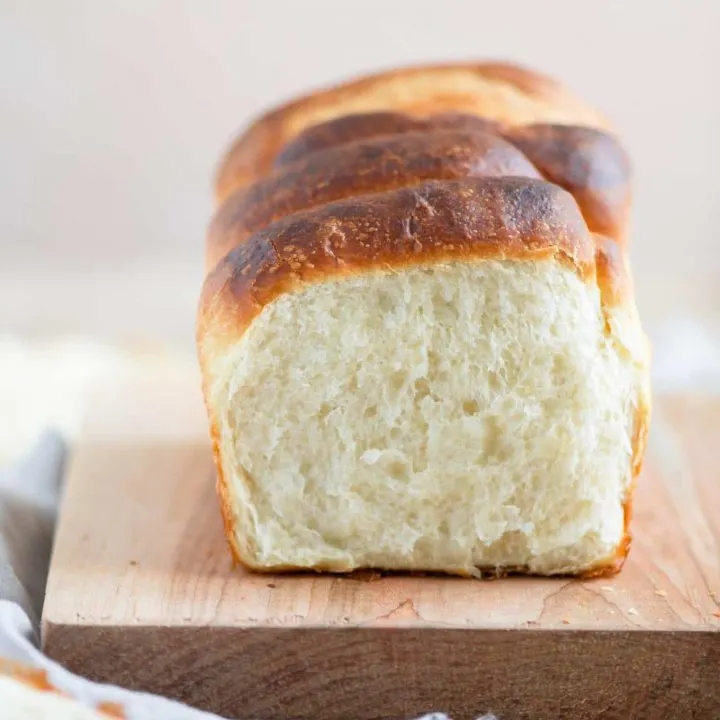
[
  {"x": 496, "y": 91},
  {"x": 358, "y": 168}
]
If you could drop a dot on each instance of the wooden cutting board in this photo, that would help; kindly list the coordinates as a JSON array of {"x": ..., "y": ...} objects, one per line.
[{"x": 141, "y": 593}]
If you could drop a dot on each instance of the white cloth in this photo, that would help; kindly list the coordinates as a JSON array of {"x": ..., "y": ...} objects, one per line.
[
  {"x": 29, "y": 494},
  {"x": 15, "y": 634}
]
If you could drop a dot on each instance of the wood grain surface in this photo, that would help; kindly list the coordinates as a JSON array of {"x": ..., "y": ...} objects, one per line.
[{"x": 141, "y": 593}]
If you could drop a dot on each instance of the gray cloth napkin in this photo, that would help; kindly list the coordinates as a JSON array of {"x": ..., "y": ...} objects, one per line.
[{"x": 29, "y": 497}]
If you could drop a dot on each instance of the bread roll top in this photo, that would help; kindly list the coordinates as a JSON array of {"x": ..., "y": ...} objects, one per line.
[
  {"x": 500, "y": 92},
  {"x": 438, "y": 221},
  {"x": 403, "y": 128},
  {"x": 406, "y": 275}
]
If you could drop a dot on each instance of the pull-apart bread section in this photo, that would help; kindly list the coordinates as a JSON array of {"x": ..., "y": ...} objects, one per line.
[{"x": 418, "y": 339}]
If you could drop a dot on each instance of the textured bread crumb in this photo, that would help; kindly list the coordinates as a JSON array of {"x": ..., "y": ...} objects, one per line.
[{"x": 450, "y": 417}]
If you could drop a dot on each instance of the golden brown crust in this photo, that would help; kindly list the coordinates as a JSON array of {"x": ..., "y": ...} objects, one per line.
[
  {"x": 474, "y": 219},
  {"x": 616, "y": 287},
  {"x": 643, "y": 414},
  {"x": 497, "y": 91},
  {"x": 363, "y": 126},
  {"x": 612, "y": 273},
  {"x": 588, "y": 163},
  {"x": 357, "y": 168},
  {"x": 373, "y": 152},
  {"x": 528, "y": 81},
  {"x": 221, "y": 486}
]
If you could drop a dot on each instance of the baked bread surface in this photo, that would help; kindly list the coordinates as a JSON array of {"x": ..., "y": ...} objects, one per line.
[
  {"x": 419, "y": 345},
  {"x": 494, "y": 91}
]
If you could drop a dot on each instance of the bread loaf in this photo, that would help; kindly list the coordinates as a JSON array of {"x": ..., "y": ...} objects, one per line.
[{"x": 417, "y": 335}]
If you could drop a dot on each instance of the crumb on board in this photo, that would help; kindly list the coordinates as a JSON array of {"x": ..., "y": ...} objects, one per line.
[
  {"x": 632, "y": 611},
  {"x": 608, "y": 588},
  {"x": 365, "y": 575},
  {"x": 661, "y": 593},
  {"x": 272, "y": 586},
  {"x": 134, "y": 563},
  {"x": 717, "y": 613},
  {"x": 566, "y": 621}
]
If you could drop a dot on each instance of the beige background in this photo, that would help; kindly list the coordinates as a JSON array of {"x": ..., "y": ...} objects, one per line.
[{"x": 114, "y": 112}]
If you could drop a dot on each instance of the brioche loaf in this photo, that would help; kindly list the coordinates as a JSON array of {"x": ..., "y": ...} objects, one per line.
[{"x": 417, "y": 335}]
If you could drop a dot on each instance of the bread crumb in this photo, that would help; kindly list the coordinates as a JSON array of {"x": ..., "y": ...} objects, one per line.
[
  {"x": 365, "y": 575},
  {"x": 607, "y": 588},
  {"x": 632, "y": 611},
  {"x": 133, "y": 563},
  {"x": 717, "y": 613},
  {"x": 661, "y": 593},
  {"x": 566, "y": 622},
  {"x": 272, "y": 586},
  {"x": 448, "y": 309}
]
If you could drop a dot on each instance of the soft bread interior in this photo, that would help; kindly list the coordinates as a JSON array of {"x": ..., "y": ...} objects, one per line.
[{"x": 449, "y": 417}]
